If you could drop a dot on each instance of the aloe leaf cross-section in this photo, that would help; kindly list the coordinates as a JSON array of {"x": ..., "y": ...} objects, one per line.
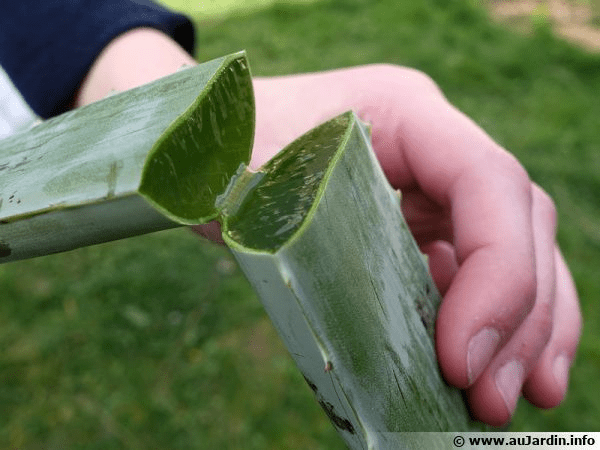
[{"x": 151, "y": 158}]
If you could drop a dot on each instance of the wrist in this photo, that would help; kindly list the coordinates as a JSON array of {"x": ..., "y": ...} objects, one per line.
[{"x": 136, "y": 57}]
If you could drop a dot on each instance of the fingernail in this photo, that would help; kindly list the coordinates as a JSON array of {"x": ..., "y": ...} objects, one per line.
[
  {"x": 561, "y": 371},
  {"x": 481, "y": 348},
  {"x": 508, "y": 381}
]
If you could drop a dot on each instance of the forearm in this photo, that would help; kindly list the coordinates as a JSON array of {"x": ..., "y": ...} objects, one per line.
[
  {"x": 134, "y": 58},
  {"x": 47, "y": 48}
]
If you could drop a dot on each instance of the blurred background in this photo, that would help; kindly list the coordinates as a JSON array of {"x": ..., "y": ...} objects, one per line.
[{"x": 158, "y": 342}]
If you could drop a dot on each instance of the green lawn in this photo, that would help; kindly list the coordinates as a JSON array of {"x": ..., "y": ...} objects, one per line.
[{"x": 158, "y": 342}]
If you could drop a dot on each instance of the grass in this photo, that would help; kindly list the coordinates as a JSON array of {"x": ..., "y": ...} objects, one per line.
[{"x": 158, "y": 342}]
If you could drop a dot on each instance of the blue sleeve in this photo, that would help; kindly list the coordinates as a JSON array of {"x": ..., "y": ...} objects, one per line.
[{"x": 47, "y": 47}]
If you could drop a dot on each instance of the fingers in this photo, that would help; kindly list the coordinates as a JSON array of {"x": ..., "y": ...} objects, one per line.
[
  {"x": 494, "y": 394},
  {"x": 545, "y": 344},
  {"x": 496, "y": 320},
  {"x": 488, "y": 194},
  {"x": 489, "y": 198}
]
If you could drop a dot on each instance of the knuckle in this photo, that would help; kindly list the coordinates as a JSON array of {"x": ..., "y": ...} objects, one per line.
[
  {"x": 508, "y": 167},
  {"x": 408, "y": 79},
  {"x": 517, "y": 172},
  {"x": 422, "y": 80}
]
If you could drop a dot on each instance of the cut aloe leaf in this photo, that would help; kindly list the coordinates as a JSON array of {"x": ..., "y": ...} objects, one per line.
[
  {"x": 152, "y": 158},
  {"x": 322, "y": 239}
]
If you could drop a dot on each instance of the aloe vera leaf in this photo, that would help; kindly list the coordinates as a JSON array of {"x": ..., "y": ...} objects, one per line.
[
  {"x": 347, "y": 288},
  {"x": 148, "y": 159}
]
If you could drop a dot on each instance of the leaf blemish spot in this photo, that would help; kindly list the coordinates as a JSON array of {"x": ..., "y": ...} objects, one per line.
[{"x": 340, "y": 422}]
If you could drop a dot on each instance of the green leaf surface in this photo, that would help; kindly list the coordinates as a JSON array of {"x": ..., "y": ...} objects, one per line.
[
  {"x": 155, "y": 157},
  {"x": 347, "y": 288}
]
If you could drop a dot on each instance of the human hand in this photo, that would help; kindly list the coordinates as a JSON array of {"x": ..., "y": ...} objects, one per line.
[
  {"x": 509, "y": 322},
  {"x": 510, "y": 319}
]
